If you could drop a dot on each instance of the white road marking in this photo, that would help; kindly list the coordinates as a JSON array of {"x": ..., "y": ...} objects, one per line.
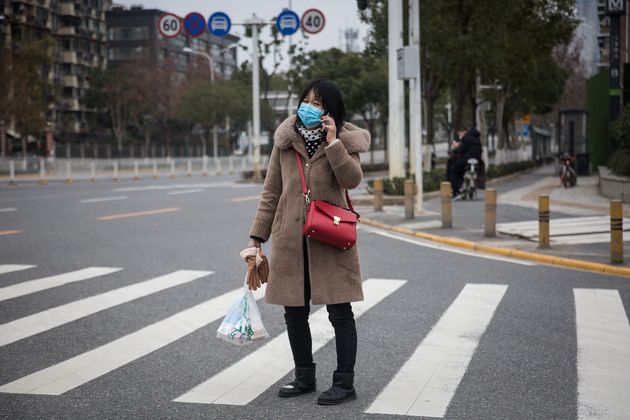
[
  {"x": 252, "y": 375},
  {"x": 54, "y": 317},
  {"x": 74, "y": 372},
  {"x": 32, "y": 286},
  {"x": 185, "y": 191},
  {"x": 572, "y": 226},
  {"x": 446, "y": 248},
  {"x": 184, "y": 186},
  {"x": 426, "y": 383},
  {"x": 10, "y": 268},
  {"x": 8, "y": 209},
  {"x": 100, "y": 199},
  {"x": 603, "y": 356}
]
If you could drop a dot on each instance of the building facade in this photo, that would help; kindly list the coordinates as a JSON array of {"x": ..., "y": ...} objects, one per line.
[
  {"x": 77, "y": 30},
  {"x": 132, "y": 34}
]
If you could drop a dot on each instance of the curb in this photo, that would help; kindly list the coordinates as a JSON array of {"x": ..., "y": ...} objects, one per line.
[{"x": 506, "y": 252}]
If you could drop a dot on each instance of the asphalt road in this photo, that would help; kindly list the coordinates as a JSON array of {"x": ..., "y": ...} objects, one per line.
[{"x": 520, "y": 364}]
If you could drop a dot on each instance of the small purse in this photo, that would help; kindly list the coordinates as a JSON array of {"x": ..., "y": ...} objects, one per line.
[{"x": 326, "y": 222}]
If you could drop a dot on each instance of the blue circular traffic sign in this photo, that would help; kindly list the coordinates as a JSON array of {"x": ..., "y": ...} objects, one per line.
[
  {"x": 219, "y": 24},
  {"x": 288, "y": 22},
  {"x": 194, "y": 24}
]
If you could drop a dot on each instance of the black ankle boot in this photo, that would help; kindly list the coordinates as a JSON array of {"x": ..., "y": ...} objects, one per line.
[
  {"x": 303, "y": 384},
  {"x": 342, "y": 390}
]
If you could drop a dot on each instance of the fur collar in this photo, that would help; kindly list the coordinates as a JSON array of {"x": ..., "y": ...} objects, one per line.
[{"x": 354, "y": 139}]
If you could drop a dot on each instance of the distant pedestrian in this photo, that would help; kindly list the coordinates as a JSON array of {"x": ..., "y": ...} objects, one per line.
[{"x": 303, "y": 269}]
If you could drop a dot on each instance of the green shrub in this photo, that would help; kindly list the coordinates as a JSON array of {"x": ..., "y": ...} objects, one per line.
[
  {"x": 396, "y": 186},
  {"x": 496, "y": 171},
  {"x": 619, "y": 162}
]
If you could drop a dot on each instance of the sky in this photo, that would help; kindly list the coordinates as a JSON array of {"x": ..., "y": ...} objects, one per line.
[{"x": 339, "y": 15}]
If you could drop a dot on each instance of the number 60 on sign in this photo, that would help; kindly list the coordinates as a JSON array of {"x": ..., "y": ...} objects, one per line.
[{"x": 169, "y": 25}]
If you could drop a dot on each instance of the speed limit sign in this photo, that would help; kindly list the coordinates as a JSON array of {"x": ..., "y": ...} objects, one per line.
[
  {"x": 169, "y": 25},
  {"x": 313, "y": 21}
]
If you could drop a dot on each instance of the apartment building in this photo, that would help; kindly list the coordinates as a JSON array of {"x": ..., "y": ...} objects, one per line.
[
  {"x": 132, "y": 34},
  {"x": 77, "y": 29}
]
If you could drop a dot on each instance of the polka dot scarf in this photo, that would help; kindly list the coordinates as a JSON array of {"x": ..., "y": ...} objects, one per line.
[{"x": 312, "y": 138}]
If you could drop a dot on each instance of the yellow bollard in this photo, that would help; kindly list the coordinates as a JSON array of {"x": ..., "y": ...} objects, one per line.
[
  {"x": 616, "y": 231},
  {"x": 378, "y": 194},
  {"x": 409, "y": 187},
  {"x": 543, "y": 221},
  {"x": 490, "y": 223},
  {"x": 446, "y": 192}
]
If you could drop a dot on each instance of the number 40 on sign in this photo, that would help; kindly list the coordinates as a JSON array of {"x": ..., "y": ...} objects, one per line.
[{"x": 313, "y": 21}]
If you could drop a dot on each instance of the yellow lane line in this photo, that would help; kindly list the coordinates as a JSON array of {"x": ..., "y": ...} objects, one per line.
[
  {"x": 246, "y": 198},
  {"x": 9, "y": 232},
  {"x": 507, "y": 252},
  {"x": 139, "y": 213}
]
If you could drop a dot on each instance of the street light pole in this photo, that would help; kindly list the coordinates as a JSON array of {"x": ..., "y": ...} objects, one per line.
[
  {"x": 255, "y": 21},
  {"x": 215, "y": 134}
]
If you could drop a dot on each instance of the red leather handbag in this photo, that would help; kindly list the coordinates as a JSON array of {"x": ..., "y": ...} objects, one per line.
[{"x": 326, "y": 222}]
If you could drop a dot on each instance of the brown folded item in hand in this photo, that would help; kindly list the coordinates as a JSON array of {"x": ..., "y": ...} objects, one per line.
[
  {"x": 253, "y": 279},
  {"x": 263, "y": 268}
]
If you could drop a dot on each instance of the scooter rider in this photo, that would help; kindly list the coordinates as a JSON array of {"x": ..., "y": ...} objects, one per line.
[{"x": 468, "y": 147}]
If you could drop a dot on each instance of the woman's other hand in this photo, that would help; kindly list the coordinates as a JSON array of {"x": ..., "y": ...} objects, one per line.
[
  {"x": 253, "y": 243},
  {"x": 329, "y": 127}
]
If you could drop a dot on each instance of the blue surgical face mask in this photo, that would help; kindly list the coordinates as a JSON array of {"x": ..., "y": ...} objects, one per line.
[{"x": 310, "y": 115}]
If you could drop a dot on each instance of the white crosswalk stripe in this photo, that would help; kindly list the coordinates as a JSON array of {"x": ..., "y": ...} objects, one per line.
[
  {"x": 32, "y": 286},
  {"x": 67, "y": 375},
  {"x": 271, "y": 362},
  {"x": 51, "y": 318},
  {"x": 426, "y": 383},
  {"x": 566, "y": 231},
  {"x": 10, "y": 268},
  {"x": 603, "y": 362}
]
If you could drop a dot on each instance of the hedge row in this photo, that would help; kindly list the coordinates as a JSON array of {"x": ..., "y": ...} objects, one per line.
[
  {"x": 496, "y": 171},
  {"x": 396, "y": 186},
  {"x": 431, "y": 180}
]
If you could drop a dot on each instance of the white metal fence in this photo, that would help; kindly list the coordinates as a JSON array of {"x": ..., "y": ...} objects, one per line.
[{"x": 82, "y": 169}]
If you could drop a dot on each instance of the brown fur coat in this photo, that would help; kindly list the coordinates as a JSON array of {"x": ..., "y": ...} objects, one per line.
[{"x": 335, "y": 274}]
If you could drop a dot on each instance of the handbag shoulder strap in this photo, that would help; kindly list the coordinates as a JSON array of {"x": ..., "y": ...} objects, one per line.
[{"x": 305, "y": 189}]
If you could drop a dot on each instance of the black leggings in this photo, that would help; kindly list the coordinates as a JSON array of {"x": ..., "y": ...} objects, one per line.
[{"x": 341, "y": 318}]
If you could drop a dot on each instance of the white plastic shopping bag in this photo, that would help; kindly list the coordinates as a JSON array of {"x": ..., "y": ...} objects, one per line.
[{"x": 242, "y": 323}]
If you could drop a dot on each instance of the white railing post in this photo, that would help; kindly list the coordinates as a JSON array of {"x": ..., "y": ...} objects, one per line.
[
  {"x": 115, "y": 171},
  {"x": 12, "y": 172},
  {"x": 42, "y": 172},
  {"x": 68, "y": 172},
  {"x": 93, "y": 170},
  {"x": 217, "y": 162},
  {"x": 243, "y": 163},
  {"x": 155, "y": 173},
  {"x": 205, "y": 166},
  {"x": 172, "y": 168},
  {"x": 189, "y": 167},
  {"x": 230, "y": 164},
  {"x": 136, "y": 171}
]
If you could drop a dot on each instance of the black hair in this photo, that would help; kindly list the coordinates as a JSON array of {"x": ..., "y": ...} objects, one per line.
[{"x": 330, "y": 96}]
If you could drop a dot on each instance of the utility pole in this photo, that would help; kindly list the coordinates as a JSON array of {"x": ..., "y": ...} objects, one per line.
[
  {"x": 396, "y": 128},
  {"x": 415, "y": 103}
]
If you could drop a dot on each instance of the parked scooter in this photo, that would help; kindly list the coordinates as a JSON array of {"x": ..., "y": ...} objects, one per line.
[
  {"x": 468, "y": 189},
  {"x": 568, "y": 177}
]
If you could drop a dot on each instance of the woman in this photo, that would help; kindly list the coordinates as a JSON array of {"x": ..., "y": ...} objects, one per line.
[{"x": 302, "y": 269}]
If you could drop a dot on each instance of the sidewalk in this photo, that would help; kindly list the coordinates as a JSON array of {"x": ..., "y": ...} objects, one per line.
[{"x": 579, "y": 225}]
